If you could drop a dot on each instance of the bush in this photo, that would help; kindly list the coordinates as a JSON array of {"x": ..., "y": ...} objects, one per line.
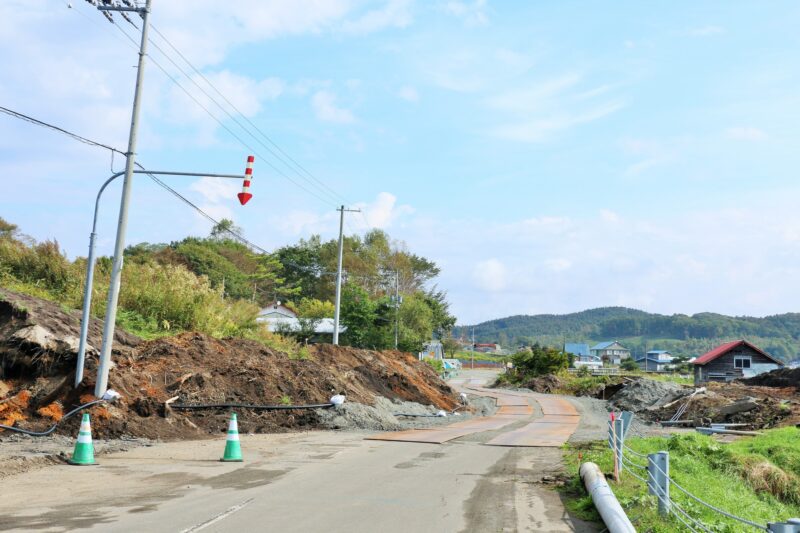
[
  {"x": 538, "y": 361},
  {"x": 435, "y": 364}
]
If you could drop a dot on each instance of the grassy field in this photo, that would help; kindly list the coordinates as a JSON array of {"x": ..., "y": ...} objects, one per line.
[{"x": 755, "y": 478}]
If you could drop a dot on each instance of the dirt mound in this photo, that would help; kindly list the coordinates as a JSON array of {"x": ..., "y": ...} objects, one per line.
[
  {"x": 782, "y": 377},
  {"x": 38, "y": 334},
  {"x": 186, "y": 369},
  {"x": 547, "y": 384}
]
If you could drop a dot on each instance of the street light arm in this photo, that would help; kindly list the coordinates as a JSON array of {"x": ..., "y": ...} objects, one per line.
[{"x": 87, "y": 291}]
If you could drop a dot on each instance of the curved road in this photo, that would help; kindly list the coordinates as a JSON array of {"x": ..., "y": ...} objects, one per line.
[{"x": 305, "y": 482}]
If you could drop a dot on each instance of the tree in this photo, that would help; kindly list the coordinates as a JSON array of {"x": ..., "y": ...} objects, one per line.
[
  {"x": 450, "y": 346},
  {"x": 358, "y": 315},
  {"x": 7, "y": 229},
  {"x": 629, "y": 364},
  {"x": 538, "y": 361},
  {"x": 224, "y": 229},
  {"x": 313, "y": 308},
  {"x": 416, "y": 323}
]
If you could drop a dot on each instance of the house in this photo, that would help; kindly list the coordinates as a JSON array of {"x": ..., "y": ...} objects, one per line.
[
  {"x": 280, "y": 318},
  {"x": 487, "y": 347},
  {"x": 655, "y": 361},
  {"x": 582, "y": 355},
  {"x": 610, "y": 352},
  {"x": 733, "y": 360},
  {"x": 276, "y": 310}
]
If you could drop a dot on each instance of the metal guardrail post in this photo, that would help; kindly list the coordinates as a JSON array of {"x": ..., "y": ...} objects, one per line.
[
  {"x": 658, "y": 480},
  {"x": 619, "y": 435}
]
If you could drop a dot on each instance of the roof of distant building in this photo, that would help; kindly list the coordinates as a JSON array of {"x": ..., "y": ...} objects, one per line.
[
  {"x": 576, "y": 348},
  {"x": 658, "y": 351},
  {"x": 604, "y": 345},
  {"x": 722, "y": 349}
]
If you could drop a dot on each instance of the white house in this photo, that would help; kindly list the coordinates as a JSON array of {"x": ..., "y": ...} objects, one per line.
[
  {"x": 612, "y": 352},
  {"x": 280, "y": 318}
]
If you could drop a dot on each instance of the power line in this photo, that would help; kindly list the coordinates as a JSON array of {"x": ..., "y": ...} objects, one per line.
[
  {"x": 254, "y": 126},
  {"x": 75, "y": 136},
  {"x": 205, "y": 109}
]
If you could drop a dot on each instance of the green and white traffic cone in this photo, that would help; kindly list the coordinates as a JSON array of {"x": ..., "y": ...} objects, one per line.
[
  {"x": 84, "y": 449},
  {"x": 233, "y": 451}
]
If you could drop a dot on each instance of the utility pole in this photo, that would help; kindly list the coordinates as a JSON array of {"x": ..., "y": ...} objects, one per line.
[
  {"x": 342, "y": 211},
  {"x": 472, "y": 359},
  {"x": 119, "y": 247},
  {"x": 397, "y": 302}
]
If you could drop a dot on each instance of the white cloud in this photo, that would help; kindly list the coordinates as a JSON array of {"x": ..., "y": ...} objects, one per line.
[
  {"x": 381, "y": 213},
  {"x": 325, "y": 108},
  {"x": 745, "y": 134},
  {"x": 490, "y": 275},
  {"x": 471, "y": 13},
  {"x": 217, "y": 190},
  {"x": 549, "y": 106},
  {"x": 408, "y": 93},
  {"x": 394, "y": 14},
  {"x": 608, "y": 215},
  {"x": 384, "y": 211},
  {"x": 536, "y": 97},
  {"x": 539, "y": 130}
]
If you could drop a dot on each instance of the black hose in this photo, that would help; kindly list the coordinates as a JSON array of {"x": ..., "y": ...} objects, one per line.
[
  {"x": 53, "y": 428},
  {"x": 249, "y": 406}
]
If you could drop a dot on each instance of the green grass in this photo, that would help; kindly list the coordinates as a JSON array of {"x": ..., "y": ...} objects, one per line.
[{"x": 734, "y": 477}]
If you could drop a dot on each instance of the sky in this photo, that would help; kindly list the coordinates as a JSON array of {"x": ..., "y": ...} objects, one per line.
[{"x": 549, "y": 156}]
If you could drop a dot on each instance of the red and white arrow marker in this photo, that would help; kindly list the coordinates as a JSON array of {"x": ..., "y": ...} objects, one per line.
[{"x": 245, "y": 195}]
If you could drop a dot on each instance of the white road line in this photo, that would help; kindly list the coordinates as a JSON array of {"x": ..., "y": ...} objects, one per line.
[{"x": 221, "y": 516}]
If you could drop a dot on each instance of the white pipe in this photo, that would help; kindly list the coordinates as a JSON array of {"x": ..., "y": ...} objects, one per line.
[{"x": 604, "y": 500}]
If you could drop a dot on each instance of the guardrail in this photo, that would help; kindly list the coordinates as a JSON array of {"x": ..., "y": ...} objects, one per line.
[{"x": 656, "y": 477}]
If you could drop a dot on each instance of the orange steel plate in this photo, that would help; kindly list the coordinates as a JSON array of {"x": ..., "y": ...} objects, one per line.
[
  {"x": 556, "y": 406},
  {"x": 485, "y": 424},
  {"x": 506, "y": 400},
  {"x": 536, "y": 434},
  {"x": 557, "y": 419},
  {"x": 522, "y": 410}
]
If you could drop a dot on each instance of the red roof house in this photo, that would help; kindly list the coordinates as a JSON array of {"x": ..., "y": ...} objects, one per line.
[{"x": 733, "y": 360}]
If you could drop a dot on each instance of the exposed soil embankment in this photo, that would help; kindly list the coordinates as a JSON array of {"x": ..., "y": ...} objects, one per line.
[{"x": 189, "y": 368}]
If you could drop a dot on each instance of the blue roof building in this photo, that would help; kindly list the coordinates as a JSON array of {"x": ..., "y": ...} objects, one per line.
[{"x": 576, "y": 348}]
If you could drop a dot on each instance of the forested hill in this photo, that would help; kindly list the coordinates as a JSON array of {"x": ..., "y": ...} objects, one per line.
[{"x": 637, "y": 330}]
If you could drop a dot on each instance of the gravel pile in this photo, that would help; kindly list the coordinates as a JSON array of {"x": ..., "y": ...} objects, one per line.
[
  {"x": 393, "y": 415},
  {"x": 646, "y": 394}
]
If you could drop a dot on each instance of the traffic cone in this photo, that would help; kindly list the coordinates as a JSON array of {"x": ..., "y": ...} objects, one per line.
[
  {"x": 84, "y": 450},
  {"x": 233, "y": 451}
]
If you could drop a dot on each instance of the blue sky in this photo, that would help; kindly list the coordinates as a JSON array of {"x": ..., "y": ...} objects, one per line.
[{"x": 550, "y": 156}]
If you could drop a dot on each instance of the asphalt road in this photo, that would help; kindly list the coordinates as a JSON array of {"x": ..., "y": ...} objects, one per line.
[{"x": 309, "y": 482}]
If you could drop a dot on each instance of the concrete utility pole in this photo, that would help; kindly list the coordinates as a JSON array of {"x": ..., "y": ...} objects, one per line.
[
  {"x": 397, "y": 301},
  {"x": 342, "y": 211},
  {"x": 119, "y": 247}
]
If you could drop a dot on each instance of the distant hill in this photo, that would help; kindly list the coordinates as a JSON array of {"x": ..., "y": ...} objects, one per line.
[{"x": 638, "y": 330}]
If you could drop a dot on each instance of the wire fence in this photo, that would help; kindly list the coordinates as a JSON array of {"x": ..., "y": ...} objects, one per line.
[{"x": 659, "y": 482}]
